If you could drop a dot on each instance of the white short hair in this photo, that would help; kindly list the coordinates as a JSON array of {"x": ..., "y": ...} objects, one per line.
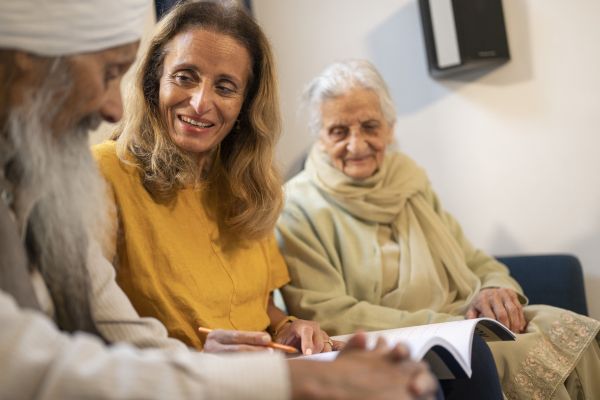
[{"x": 341, "y": 77}]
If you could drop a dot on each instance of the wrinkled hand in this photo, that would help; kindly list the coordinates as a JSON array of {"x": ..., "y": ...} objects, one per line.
[
  {"x": 501, "y": 304},
  {"x": 220, "y": 340},
  {"x": 306, "y": 336},
  {"x": 383, "y": 373}
]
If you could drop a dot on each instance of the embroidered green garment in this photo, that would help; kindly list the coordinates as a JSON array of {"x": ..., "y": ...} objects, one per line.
[{"x": 328, "y": 235}]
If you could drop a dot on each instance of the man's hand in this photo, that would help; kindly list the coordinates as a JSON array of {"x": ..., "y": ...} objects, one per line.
[
  {"x": 306, "y": 336},
  {"x": 500, "y": 304},
  {"x": 382, "y": 373},
  {"x": 219, "y": 341}
]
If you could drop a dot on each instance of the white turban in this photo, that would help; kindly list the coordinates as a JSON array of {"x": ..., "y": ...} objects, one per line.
[{"x": 63, "y": 27}]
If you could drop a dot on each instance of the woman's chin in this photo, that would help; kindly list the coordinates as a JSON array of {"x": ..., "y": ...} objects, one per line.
[{"x": 359, "y": 173}]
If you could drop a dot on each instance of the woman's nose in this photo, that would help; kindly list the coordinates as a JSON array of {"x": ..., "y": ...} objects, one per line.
[
  {"x": 201, "y": 99},
  {"x": 356, "y": 142}
]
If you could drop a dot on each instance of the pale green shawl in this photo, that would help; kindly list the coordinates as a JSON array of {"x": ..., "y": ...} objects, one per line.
[
  {"x": 429, "y": 255},
  {"x": 327, "y": 234}
]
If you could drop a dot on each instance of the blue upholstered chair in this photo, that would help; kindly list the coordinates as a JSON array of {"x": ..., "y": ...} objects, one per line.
[{"x": 555, "y": 279}]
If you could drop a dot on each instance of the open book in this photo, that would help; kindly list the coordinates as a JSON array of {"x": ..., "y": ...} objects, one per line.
[{"x": 446, "y": 346}]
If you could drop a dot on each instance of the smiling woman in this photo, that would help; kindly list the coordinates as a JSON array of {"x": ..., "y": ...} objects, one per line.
[
  {"x": 202, "y": 89},
  {"x": 369, "y": 246},
  {"x": 355, "y": 133},
  {"x": 196, "y": 193},
  {"x": 204, "y": 81},
  {"x": 206, "y": 91}
]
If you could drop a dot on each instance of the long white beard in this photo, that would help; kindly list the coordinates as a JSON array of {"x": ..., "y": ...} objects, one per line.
[{"x": 58, "y": 171}]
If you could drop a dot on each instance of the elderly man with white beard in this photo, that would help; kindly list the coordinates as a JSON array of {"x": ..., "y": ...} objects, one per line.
[{"x": 61, "y": 312}]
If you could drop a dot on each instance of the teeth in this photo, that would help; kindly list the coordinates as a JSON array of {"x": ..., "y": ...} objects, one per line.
[{"x": 194, "y": 122}]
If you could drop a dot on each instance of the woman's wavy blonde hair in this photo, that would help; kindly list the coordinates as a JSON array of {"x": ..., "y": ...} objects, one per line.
[{"x": 243, "y": 189}]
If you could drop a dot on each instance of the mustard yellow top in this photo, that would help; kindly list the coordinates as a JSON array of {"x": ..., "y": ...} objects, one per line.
[{"x": 171, "y": 267}]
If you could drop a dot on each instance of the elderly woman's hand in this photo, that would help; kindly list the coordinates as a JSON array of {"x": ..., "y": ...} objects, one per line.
[
  {"x": 306, "y": 336},
  {"x": 501, "y": 304},
  {"x": 225, "y": 341}
]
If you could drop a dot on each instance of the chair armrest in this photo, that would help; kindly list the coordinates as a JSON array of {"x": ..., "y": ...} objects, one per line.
[{"x": 554, "y": 279}]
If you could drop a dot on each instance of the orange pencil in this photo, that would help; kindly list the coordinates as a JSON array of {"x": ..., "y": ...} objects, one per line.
[{"x": 273, "y": 345}]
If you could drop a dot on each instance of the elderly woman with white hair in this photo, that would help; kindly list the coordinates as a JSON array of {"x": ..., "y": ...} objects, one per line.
[{"x": 369, "y": 246}]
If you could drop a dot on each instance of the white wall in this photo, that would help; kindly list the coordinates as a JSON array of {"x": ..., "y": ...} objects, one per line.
[{"x": 514, "y": 154}]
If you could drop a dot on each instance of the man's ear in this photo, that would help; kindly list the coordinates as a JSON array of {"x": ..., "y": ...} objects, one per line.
[
  {"x": 26, "y": 62},
  {"x": 26, "y": 71}
]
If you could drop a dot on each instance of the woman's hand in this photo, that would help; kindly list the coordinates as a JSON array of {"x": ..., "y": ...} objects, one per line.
[
  {"x": 306, "y": 336},
  {"x": 219, "y": 341},
  {"x": 501, "y": 304}
]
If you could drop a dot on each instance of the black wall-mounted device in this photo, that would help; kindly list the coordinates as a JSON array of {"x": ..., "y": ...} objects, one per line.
[{"x": 463, "y": 34}]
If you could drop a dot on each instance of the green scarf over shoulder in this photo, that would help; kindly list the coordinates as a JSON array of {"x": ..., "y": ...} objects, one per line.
[
  {"x": 399, "y": 194},
  {"x": 328, "y": 236}
]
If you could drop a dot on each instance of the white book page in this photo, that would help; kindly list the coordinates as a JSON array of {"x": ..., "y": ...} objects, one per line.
[
  {"x": 455, "y": 336},
  {"x": 419, "y": 339}
]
